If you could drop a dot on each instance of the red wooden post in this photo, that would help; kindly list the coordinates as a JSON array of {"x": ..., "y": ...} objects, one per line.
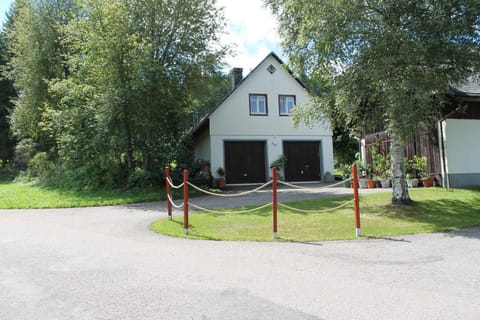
[
  {"x": 185, "y": 201},
  {"x": 169, "y": 192},
  {"x": 356, "y": 201},
  {"x": 274, "y": 200}
]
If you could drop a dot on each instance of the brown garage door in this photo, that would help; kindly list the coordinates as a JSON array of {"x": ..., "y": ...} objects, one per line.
[
  {"x": 303, "y": 160},
  {"x": 245, "y": 161}
]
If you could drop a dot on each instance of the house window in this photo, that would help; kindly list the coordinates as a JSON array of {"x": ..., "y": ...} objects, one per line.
[
  {"x": 258, "y": 105},
  {"x": 286, "y": 104}
]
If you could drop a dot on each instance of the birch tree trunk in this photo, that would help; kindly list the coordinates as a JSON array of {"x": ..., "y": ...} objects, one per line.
[{"x": 399, "y": 184}]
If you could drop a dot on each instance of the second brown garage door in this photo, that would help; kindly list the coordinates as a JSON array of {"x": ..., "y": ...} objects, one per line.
[
  {"x": 303, "y": 160},
  {"x": 245, "y": 161}
]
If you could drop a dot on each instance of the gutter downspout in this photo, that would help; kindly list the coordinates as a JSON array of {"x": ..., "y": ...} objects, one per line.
[{"x": 445, "y": 177}]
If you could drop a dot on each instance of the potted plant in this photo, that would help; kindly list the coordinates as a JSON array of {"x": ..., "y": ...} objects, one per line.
[
  {"x": 279, "y": 163},
  {"x": 371, "y": 183},
  {"x": 412, "y": 181},
  {"x": 220, "y": 180},
  {"x": 362, "y": 169},
  {"x": 421, "y": 167},
  {"x": 386, "y": 181},
  {"x": 346, "y": 171},
  {"x": 381, "y": 164}
]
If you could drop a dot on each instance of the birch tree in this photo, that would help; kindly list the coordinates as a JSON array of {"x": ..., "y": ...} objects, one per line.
[{"x": 393, "y": 58}]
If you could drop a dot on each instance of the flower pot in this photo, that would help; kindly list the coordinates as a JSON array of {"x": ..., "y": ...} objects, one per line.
[
  {"x": 428, "y": 182},
  {"x": 220, "y": 183},
  {"x": 412, "y": 183},
  {"x": 371, "y": 184},
  {"x": 385, "y": 183},
  {"x": 362, "y": 183}
]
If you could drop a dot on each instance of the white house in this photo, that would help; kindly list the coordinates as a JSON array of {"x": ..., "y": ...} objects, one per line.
[
  {"x": 450, "y": 143},
  {"x": 253, "y": 126},
  {"x": 458, "y": 136}
]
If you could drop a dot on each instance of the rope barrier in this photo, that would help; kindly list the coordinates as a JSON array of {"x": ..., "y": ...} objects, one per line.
[
  {"x": 229, "y": 195},
  {"x": 318, "y": 188},
  {"x": 174, "y": 186},
  {"x": 274, "y": 202},
  {"x": 237, "y": 212},
  {"x": 315, "y": 211},
  {"x": 173, "y": 203}
]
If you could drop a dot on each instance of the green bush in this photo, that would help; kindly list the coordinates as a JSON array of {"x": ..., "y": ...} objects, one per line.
[
  {"x": 24, "y": 151},
  {"x": 140, "y": 178},
  {"x": 420, "y": 164},
  {"x": 88, "y": 177},
  {"x": 7, "y": 171},
  {"x": 200, "y": 174},
  {"x": 279, "y": 163},
  {"x": 381, "y": 164},
  {"x": 41, "y": 167}
]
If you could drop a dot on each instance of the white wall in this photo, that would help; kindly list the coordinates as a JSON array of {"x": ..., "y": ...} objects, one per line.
[
  {"x": 274, "y": 146},
  {"x": 233, "y": 116},
  {"x": 461, "y": 141},
  {"x": 232, "y": 120}
]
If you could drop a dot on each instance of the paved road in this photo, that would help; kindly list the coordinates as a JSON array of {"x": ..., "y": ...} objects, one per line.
[{"x": 104, "y": 263}]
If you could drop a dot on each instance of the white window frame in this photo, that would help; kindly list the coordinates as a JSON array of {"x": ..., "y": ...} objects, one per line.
[
  {"x": 286, "y": 109},
  {"x": 254, "y": 104}
]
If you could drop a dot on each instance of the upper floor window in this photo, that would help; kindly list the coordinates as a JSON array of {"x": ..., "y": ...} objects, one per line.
[
  {"x": 258, "y": 105},
  {"x": 286, "y": 104}
]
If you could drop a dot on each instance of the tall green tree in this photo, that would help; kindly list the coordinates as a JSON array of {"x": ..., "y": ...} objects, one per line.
[
  {"x": 37, "y": 56},
  {"x": 138, "y": 69},
  {"x": 107, "y": 88},
  {"x": 7, "y": 93},
  {"x": 394, "y": 59}
]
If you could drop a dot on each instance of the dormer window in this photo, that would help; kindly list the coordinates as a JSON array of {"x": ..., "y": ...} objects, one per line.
[
  {"x": 258, "y": 105},
  {"x": 286, "y": 104}
]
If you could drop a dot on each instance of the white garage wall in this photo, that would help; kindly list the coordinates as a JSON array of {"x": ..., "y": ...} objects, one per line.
[
  {"x": 274, "y": 146},
  {"x": 232, "y": 120},
  {"x": 462, "y": 145},
  {"x": 462, "y": 152}
]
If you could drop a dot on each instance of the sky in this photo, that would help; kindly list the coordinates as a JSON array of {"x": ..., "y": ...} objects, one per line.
[{"x": 252, "y": 31}]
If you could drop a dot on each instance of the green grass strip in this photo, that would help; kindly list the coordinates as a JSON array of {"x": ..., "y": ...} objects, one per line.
[
  {"x": 434, "y": 210},
  {"x": 25, "y": 195}
]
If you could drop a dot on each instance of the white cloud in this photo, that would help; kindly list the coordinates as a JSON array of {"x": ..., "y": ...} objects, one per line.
[{"x": 252, "y": 30}]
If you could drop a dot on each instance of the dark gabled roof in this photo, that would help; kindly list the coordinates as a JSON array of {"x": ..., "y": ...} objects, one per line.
[
  {"x": 471, "y": 88},
  {"x": 204, "y": 120}
]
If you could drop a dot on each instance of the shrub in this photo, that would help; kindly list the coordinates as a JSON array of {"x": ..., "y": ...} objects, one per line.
[
  {"x": 140, "y": 178},
  {"x": 279, "y": 163},
  {"x": 24, "y": 151},
  {"x": 200, "y": 173},
  {"x": 40, "y": 167},
  {"x": 7, "y": 170},
  {"x": 420, "y": 164},
  {"x": 381, "y": 164},
  {"x": 89, "y": 177}
]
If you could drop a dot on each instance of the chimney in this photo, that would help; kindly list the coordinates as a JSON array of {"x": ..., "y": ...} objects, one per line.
[{"x": 237, "y": 76}]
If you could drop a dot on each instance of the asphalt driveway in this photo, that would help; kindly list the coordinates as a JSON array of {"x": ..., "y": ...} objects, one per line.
[{"x": 104, "y": 263}]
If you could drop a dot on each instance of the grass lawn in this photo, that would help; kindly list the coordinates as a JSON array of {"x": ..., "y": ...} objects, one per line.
[
  {"x": 434, "y": 210},
  {"x": 19, "y": 195}
]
